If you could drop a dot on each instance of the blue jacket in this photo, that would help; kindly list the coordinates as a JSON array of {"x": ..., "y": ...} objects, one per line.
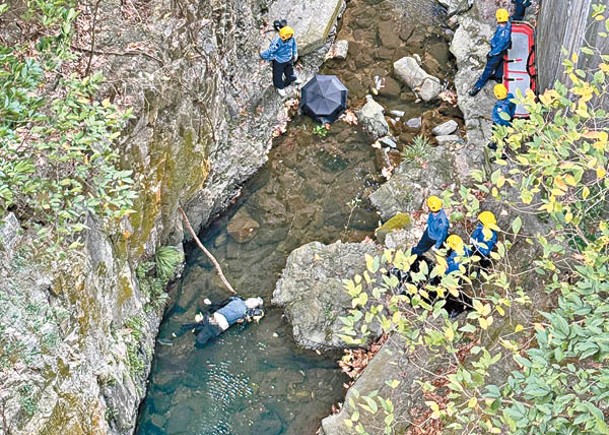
[
  {"x": 453, "y": 260},
  {"x": 502, "y": 39},
  {"x": 506, "y": 105},
  {"x": 234, "y": 310},
  {"x": 437, "y": 227},
  {"x": 280, "y": 51},
  {"x": 520, "y": 7},
  {"x": 484, "y": 246}
]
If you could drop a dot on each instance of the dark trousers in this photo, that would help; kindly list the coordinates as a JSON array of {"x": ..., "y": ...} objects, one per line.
[
  {"x": 493, "y": 69},
  {"x": 279, "y": 71},
  {"x": 424, "y": 244}
]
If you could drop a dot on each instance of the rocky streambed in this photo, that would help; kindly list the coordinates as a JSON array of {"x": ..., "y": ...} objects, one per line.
[{"x": 315, "y": 187}]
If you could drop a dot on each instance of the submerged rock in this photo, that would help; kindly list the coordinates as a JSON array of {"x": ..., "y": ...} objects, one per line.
[
  {"x": 372, "y": 118},
  {"x": 425, "y": 85},
  {"x": 312, "y": 294},
  {"x": 242, "y": 227}
]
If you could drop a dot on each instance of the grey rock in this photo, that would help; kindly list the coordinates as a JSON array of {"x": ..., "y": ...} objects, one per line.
[
  {"x": 311, "y": 291},
  {"x": 412, "y": 182},
  {"x": 449, "y": 139},
  {"x": 372, "y": 118},
  {"x": 9, "y": 232},
  {"x": 407, "y": 69},
  {"x": 311, "y": 20},
  {"x": 414, "y": 122},
  {"x": 388, "y": 141},
  {"x": 445, "y": 128},
  {"x": 398, "y": 113},
  {"x": 338, "y": 50}
]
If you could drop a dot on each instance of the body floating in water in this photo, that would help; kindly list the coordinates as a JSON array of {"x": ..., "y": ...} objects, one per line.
[{"x": 220, "y": 317}]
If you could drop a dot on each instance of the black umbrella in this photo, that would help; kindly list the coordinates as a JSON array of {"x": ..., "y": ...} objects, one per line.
[{"x": 324, "y": 98}]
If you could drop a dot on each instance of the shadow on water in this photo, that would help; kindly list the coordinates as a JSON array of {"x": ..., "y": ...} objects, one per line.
[{"x": 254, "y": 379}]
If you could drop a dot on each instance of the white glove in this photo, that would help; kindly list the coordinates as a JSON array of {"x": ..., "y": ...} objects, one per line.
[
  {"x": 433, "y": 248},
  {"x": 295, "y": 58}
]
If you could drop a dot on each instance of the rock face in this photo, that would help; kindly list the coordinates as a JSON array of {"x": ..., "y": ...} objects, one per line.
[
  {"x": 425, "y": 85},
  {"x": 81, "y": 339},
  {"x": 339, "y": 50},
  {"x": 311, "y": 291},
  {"x": 555, "y": 32},
  {"x": 311, "y": 20},
  {"x": 372, "y": 118}
]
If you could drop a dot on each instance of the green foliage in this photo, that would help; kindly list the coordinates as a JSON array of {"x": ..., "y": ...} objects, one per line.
[
  {"x": 168, "y": 258},
  {"x": 320, "y": 130},
  {"x": 418, "y": 149},
  {"x": 557, "y": 175},
  {"x": 136, "y": 359},
  {"x": 59, "y": 162}
]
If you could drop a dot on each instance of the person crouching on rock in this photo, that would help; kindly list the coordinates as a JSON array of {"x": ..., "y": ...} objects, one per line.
[
  {"x": 436, "y": 230},
  {"x": 283, "y": 52},
  {"x": 235, "y": 310}
]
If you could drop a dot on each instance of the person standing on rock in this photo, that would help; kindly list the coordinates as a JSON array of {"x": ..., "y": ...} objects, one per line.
[
  {"x": 501, "y": 41},
  {"x": 520, "y": 8},
  {"x": 503, "y": 110},
  {"x": 282, "y": 52},
  {"x": 436, "y": 230}
]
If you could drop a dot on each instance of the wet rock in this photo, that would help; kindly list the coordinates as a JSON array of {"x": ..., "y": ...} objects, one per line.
[
  {"x": 446, "y": 128},
  {"x": 242, "y": 228},
  {"x": 387, "y": 34},
  {"x": 388, "y": 142},
  {"x": 338, "y": 50},
  {"x": 449, "y": 139},
  {"x": 383, "y": 53},
  {"x": 312, "y": 20},
  {"x": 372, "y": 118},
  {"x": 425, "y": 85},
  {"x": 390, "y": 88},
  {"x": 311, "y": 291}
]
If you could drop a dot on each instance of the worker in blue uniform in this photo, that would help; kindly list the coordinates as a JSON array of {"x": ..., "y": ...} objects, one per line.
[
  {"x": 436, "y": 230},
  {"x": 520, "y": 8},
  {"x": 484, "y": 237},
  {"x": 503, "y": 110},
  {"x": 501, "y": 41},
  {"x": 283, "y": 53}
]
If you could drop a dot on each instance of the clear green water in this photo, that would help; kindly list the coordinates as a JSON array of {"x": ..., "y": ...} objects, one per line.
[{"x": 254, "y": 380}]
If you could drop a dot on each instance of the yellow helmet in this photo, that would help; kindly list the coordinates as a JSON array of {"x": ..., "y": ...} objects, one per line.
[
  {"x": 487, "y": 218},
  {"x": 500, "y": 91},
  {"x": 434, "y": 203},
  {"x": 286, "y": 33},
  {"x": 502, "y": 15},
  {"x": 455, "y": 243}
]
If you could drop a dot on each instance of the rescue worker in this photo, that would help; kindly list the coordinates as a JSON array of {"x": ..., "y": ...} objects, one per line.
[
  {"x": 520, "y": 7},
  {"x": 436, "y": 230},
  {"x": 457, "y": 251},
  {"x": 234, "y": 310},
  {"x": 283, "y": 52},
  {"x": 503, "y": 105},
  {"x": 484, "y": 237},
  {"x": 500, "y": 43}
]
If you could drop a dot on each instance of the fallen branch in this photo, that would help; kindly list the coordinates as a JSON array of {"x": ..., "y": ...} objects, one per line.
[{"x": 209, "y": 254}]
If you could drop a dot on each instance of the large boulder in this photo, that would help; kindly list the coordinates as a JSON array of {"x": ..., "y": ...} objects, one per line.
[
  {"x": 312, "y": 20},
  {"x": 426, "y": 86},
  {"x": 414, "y": 181},
  {"x": 312, "y": 294},
  {"x": 372, "y": 118}
]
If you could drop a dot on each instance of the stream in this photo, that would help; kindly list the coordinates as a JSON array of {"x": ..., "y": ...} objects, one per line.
[{"x": 254, "y": 380}]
